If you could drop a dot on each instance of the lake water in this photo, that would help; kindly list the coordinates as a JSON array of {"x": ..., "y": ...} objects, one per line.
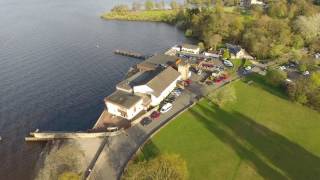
[{"x": 56, "y": 65}]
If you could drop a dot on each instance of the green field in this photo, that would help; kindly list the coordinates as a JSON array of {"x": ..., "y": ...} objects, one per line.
[
  {"x": 260, "y": 136},
  {"x": 152, "y": 15}
]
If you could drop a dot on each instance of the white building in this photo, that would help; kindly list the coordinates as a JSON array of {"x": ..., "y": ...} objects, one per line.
[
  {"x": 148, "y": 87},
  {"x": 160, "y": 86},
  {"x": 124, "y": 104},
  {"x": 249, "y": 3},
  {"x": 189, "y": 48},
  {"x": 211, "y": 55}
]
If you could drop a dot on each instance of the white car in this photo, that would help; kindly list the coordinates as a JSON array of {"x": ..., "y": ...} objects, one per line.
[
  {"x": 248, "y": 68},
  {"x": 306, "y": 73},
  {"x": 165, "y": 108},
  {"x": 227, "y": 63},
  {"x": 282, "y": 68},
  {"x": 289, "y": 80}
]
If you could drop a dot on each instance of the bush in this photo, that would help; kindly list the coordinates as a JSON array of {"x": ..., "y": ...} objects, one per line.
[
  {"x": 306, "y": 91},
  {"x": 296, "y": 92},
  {"x": 302, "y": 67},
  {"x": 275, "y": 77},
  {"x": 69, "y": 176},
  {"x": 223, "y": 95},
  {"x": 226, "y": 54},
  {"x": 188, "y": 33},
  {"x": 166, "y": 166},
  {"x": 120, "y": 8}
]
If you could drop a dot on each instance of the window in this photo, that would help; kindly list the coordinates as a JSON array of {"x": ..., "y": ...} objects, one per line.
[{"x": 123, "y": 113}]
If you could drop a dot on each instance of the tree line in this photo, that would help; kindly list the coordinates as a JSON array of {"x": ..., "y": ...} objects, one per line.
[
  {"x": 147, "y": 5},
  {"x": 281, "y": 31},
  {"x": 278, "y": 31},
  {"x": 305, "y": 90}
]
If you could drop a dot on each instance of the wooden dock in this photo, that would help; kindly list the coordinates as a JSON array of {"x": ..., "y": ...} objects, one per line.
[{"x": 130, "y": 54}]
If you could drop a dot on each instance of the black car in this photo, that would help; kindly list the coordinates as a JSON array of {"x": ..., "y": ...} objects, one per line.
[{"x": 145, "y": 121}]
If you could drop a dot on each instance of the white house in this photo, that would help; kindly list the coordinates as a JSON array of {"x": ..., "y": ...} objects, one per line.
[
  {"x": 211, "y": 55},
  {"x": 249, "y": 3},
  {"x": 123, "y": 104},
  {"x": 236, "y": 52},
  {"x": 189, "y": 48},
  {"x": 159, "y": 86}
]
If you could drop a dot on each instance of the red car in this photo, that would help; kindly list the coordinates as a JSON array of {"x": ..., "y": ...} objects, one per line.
[
  {"x": 155, "y": 114},
  {"x": 219, "y": 79},
  {"x": 188, "y": 81}
]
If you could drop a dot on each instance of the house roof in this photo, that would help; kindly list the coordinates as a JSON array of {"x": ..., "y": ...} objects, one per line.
[
  {"x": 190, "y": 46},
  {"x": 124, "y": 85},
  {"x": 121, "y": 98},
  {"x": 147, "y": 66},
  {"x": 161, "y": 59},
  {"x": 234, "y": 49},
  {"x": 160, "y": 82},
  {"x": 145, "y": 77}
]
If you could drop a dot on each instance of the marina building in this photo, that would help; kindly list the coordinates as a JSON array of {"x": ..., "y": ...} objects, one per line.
[{"x": 153, "y": 82}]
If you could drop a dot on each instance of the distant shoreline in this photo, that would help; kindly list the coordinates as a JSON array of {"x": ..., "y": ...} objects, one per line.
[{"x": 167, "y": 16}]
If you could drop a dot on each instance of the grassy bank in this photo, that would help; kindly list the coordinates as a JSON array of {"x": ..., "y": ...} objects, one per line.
[
  {"x": 167, "y": 16},
  {"x": 260, "y": 136}
]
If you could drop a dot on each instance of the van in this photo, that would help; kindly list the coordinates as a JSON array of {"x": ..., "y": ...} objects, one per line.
[{"x": 113, "y": 128}]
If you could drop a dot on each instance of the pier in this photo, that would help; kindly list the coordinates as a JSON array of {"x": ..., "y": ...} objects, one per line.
[
  {"x": 130, "y": 54},
  {"x": 46, "y": 136},
  {"x": 99, "y": 130}
]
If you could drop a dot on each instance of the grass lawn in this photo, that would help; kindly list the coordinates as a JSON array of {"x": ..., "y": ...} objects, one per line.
[
  {"x": 260, "y": 136},
  {"x": 152, "y": 15}
]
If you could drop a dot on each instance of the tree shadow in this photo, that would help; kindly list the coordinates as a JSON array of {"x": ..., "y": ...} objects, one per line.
[
  {"x": 260, "y": 81},
  {"x": 149, "y": 151},
  {"x": 285, "y": 159}
]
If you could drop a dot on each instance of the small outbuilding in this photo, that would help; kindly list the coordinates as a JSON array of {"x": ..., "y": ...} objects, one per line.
[
  {"x": 190, "y": 48},
  {"x": 123, "y": 104}
]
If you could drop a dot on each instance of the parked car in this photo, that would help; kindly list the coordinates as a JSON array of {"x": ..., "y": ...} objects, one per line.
[
  {"x": 168, "y": 100},
  {"x": 176, "y": 92},
  {"x": 215, "y": 73},
  {"x": 165, "y": 108},
  {"x": 220, "y": 78},
  {"x": 188, "y": 81},
  {"x": 248, "y": 68},
  {"x": 155, "y": 114},
  {"x": 282, "y": 68},
  {"x": 112, "y": 128},
  {"x": 145, "y": 121},
  {"x": 306, "y": 73},
  {"x": 227, "y": 63}
]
